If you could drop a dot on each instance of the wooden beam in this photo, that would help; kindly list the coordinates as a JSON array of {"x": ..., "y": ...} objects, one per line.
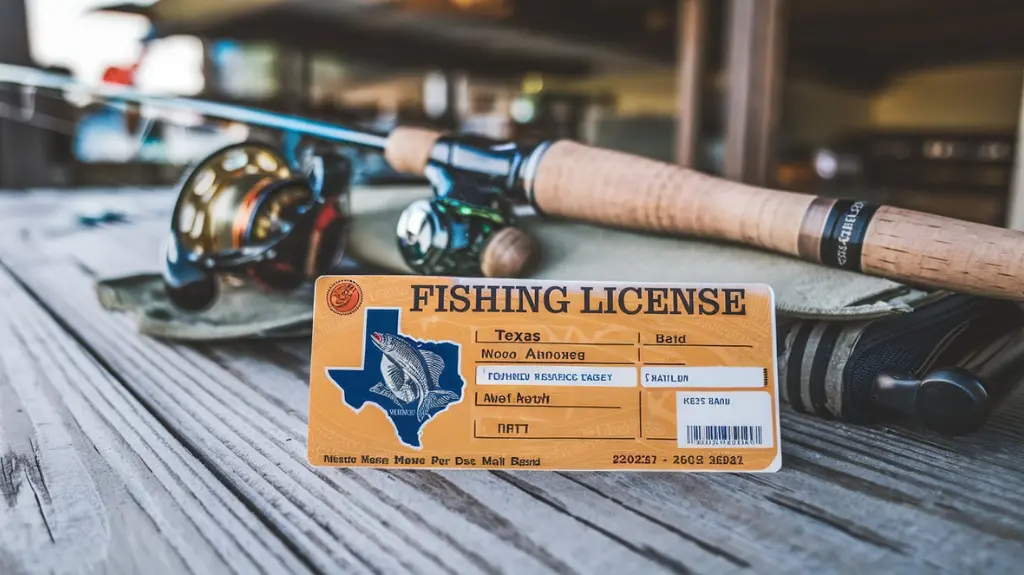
[
  {"x": 457, "y": 98},
  {"x": 692, "y": 27},
  {"x": 211, "y": 71},
  {"x": 292, "y": 78},
  {"x": 394, "y": 50},
  {"x": 25, "y": 160},
  {"x": 1015, "y": 203},
  {"x": 755, "y": 37},
  {"x": 14, "y": 42},
  {"x": 931, "y": 22}
]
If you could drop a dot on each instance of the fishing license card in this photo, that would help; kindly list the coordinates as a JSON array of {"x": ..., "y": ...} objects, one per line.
[{"x": 459, "y": 373}]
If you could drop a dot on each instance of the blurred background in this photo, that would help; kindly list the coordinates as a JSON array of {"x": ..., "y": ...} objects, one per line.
[{"x": 915, "y": 103}]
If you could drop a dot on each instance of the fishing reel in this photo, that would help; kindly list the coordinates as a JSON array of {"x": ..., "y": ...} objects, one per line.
[
  {"x": 466, "y": 229},
  {"x": 245, "y": 211}
]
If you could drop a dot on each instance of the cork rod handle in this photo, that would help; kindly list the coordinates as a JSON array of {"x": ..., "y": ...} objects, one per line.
[{"x": 583, "y": 183}]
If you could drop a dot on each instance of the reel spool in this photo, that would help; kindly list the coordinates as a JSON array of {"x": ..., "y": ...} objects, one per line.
[{"x": 245, "y": 211}]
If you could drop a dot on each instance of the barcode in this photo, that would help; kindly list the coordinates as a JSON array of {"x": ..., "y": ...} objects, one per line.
[{"x": 725, "y": 434}]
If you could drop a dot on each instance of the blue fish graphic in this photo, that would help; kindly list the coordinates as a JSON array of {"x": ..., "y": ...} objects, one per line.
[{"x": 409, "y": 374}]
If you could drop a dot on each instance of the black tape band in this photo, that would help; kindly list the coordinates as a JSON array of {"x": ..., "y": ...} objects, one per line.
[{"x": 845, "y": 228}]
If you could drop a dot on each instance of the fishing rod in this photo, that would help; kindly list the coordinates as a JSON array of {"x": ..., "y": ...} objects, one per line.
[
  {"x": 111, "y": 93},
  {"x": 569, "y": 180},
  {"x": 467, "y": 229}
]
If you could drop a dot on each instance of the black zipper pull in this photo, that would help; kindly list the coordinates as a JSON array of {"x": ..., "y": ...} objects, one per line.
[{"x": 951, "y": 401}]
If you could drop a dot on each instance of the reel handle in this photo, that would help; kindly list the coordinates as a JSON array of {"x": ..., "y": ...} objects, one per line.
[
  {"x": 509, "y": 253},
  {"x": 574, "y": 181},
  {"x": 448, "y": 236}
]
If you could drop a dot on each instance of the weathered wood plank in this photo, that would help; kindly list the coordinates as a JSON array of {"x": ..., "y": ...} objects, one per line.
[
  {"x": 92, "y": 483},
  {"x": 255, "y": 437},
  {"x": 252, "y": 426},
  {"x": 849, "y": 498},
  {"x": 859, "y": 491}
]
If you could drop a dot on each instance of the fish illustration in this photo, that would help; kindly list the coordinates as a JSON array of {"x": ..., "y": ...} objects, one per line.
[
  {"x": 411, "y": 373},
  {"x": 395, "y": 386}
]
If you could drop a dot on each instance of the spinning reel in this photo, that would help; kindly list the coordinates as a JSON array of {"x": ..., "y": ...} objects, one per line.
[{"x": 244, "y": 211}]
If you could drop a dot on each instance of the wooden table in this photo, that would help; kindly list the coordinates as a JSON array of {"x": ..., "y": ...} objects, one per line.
[{"x": 122, "y": 453}]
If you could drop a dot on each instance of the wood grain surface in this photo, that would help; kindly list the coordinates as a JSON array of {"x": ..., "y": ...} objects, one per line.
[
  {"x": 92, "y": 482},
  {"x": 849, "y": 498}
]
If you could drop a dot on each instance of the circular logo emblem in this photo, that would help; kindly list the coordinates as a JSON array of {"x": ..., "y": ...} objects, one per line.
[{"x": 344, "y": 297}]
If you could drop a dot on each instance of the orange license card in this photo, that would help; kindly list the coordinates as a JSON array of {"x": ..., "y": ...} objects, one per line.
[{"x": 469, "y": 373}]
